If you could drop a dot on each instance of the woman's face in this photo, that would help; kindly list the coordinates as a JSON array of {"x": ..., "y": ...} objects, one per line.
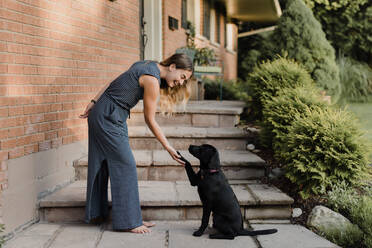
[{"x": 176, "y": 77}]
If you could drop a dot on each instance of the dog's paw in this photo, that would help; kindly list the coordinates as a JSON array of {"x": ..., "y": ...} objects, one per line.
[{"x": 198, "y": 233}]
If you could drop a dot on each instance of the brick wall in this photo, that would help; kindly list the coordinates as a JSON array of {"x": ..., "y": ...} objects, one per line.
[
  {"x": 172, "y": 39},
  {"x": 54, "y": 56}
]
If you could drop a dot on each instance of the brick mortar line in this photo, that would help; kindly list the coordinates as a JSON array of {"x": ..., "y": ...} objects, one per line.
[
  {"x": 63, "y": 41},
  {"x": 59, "y": 14},
  {"x": 45, "y": 56},
  {"x": 77, "y": 44}
]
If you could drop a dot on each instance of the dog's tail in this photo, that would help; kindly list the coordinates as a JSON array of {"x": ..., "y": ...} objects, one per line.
[{"x": 258, "y": 232}]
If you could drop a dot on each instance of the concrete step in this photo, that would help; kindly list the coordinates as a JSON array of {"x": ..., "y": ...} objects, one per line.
[
  {"x": 162, "y": 200},
  {"x": 158, "y": 165},
  {"x": 167, "y": 234},
  {"x": 197, "y": 114},
  {"x": 228, "y": 138}
]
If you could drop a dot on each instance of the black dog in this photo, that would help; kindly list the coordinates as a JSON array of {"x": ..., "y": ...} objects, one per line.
[{"x": 217, "y": 196}]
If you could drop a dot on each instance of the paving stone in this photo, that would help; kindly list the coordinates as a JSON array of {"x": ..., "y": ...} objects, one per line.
[
  {"x": 165, "y": 193},
  {"x": 180, "y": 235},
  {"x": 161, "y": 157},
  {"x": 258, "y": 221},
  {"x": 268, "y": 212},
  {"x": 41, "y": 229},
  {"x": 266, "y": 194},
  {"x": 111, "y": 239},
  {"x": 289, "y": 236},
  {"x": 28, "y": 241},
  {"x": 205, "y": 106},
  {"x": 37, "y": 235},
  {"x": 243, "y": 195},
  {"x": 167, "y": 173},
  {"x": 187, "y": 195},
  {"x": 79, "y": 236},
  {"x": 206, "y": 120}
]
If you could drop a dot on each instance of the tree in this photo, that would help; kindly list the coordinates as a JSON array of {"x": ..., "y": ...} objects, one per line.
[{"x": 300, "y": 36}]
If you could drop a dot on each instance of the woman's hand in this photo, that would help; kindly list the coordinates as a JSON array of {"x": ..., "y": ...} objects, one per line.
[
  {"x": 174, "y": 155},
  {"x": 87, "y": 109}
]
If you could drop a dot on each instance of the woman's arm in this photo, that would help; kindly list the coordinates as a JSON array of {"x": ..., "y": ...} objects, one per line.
[
  {"x": 150, "y": 95},
  {"x": 90, "y": 105}
]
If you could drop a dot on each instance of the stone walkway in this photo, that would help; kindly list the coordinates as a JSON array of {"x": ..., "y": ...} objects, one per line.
[{"x": 177, "y": 234}]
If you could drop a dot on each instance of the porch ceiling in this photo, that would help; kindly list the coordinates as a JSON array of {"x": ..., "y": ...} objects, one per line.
[{"x": 252, "y": 10}]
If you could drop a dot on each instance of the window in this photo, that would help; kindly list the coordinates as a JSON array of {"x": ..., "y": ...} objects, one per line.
[
  {"x": 206, "y": 21},
  {"x": 218, "y": 26},
  {"x": 184, "y": 14}
]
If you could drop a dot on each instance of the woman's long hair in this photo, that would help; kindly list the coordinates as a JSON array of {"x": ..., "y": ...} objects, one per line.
[{"x": 178, "y": 95}]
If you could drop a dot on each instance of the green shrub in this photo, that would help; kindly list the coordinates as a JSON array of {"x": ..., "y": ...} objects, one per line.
[
  {"x": 280, "y": 111},
  {"x": 300, "y": 35},
  {"x": 351, "y": 237},
  {"x": 253, "y": 50},
  {"x": 2, "y": 228},
  {"x": 361, "y": 214},
  {"x": 347, "y": 24},
  {"x": 231, "y": 90},
  {"x": 357, "y": 207},
  {"x": 268, "y": 78},
  {"x": 324, "y": 148},
  {"x": 342, "y": 198},
  {"x": 356, "y": 80}
]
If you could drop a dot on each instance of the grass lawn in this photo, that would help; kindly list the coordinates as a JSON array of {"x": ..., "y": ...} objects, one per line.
[{"x": 364, "y": 112}]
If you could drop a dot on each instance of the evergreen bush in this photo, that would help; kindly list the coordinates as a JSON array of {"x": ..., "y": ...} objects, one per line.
[
  {"x": 231, "y": 90},
  {"x": 324, "y": 148},
  {"x": 300, "y": 35},
  {"x": 268, "y": 78},
  {"x": 356, "y": 80},
  {"x": 347, "y": 24},
  {"x": 357, "y": 207},
  {"x": 253, "y": 50},
  {"x": 352, "y": 236},
  {"x": 280, "y": 111}
]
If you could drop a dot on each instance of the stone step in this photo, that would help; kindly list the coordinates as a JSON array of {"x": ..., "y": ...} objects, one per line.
[
  {"x": 162, "y": 200},
  {"x": 158, "y": 165},
  {"x": 228, "y": 138},
  {"x": 196, "y": 113}
]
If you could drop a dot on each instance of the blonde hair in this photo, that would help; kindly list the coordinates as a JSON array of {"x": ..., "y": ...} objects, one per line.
[{"x": 178, "y": 95}]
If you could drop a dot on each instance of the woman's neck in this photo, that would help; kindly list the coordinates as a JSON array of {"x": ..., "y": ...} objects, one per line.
[{"x": 163, "y": 70}]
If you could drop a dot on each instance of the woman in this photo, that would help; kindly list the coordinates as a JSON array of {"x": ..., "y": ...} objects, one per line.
[{"x": 109, "y": 152}]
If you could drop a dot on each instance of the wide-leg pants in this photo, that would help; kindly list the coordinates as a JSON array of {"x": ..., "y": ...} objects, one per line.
[{"x": 110, "y": 155}]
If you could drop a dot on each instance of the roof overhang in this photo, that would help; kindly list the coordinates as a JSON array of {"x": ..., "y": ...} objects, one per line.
[{"x": 252, "y": 10}]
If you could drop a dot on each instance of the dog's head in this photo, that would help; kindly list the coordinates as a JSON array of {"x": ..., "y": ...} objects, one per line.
[{"x": 208, "y": 156}]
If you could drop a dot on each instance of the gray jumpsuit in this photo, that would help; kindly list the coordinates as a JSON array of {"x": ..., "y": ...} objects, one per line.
[{"x": 109, "y": 153}]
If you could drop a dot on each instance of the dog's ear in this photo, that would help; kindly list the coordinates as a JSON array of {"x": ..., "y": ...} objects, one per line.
[{"x": 214, "y": 162}]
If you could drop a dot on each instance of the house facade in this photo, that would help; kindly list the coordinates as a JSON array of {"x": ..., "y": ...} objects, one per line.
[{"x": 55, "y": 55}]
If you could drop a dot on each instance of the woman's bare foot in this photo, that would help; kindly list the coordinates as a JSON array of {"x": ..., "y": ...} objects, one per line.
[
  {"x": 140, "y": 229},
  {"x": 148, "y": 224}
]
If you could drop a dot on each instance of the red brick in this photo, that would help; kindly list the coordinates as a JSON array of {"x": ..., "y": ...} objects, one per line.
[
  {"x": 4, "y": 112},
  {"x": 15, "y": 132},
  {"x": 45, "y": 145},
  {"x": 3, "y": 155},
  {"x": 3, "y": 134},
  {"x": 31, "y": 148},
  {"x": 14, "y": 111},
  {"x": 29, "y": 129},
  {"x": 3, "y": 166},
  {"x": 56, "y": 143},
  {"x": 16, "y": 153},
  {"x": 8, "y": 144}
]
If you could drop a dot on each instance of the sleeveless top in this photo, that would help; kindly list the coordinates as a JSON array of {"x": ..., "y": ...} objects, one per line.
[{"x": 125, "y": 90}]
